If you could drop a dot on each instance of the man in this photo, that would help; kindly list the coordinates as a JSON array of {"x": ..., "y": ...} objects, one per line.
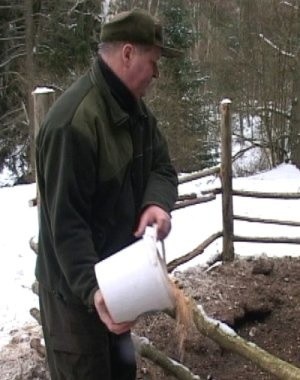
[{"x": 104, "y": 174}]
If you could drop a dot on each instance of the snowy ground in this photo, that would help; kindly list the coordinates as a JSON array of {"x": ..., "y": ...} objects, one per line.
[{"x": 191, "y": 226}]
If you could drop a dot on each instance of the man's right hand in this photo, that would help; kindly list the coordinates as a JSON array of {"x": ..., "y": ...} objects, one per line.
[{"x": 116, "y": 328}]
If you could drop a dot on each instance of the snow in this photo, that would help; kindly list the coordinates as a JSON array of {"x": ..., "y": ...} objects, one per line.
[
  {"x": 7, "y": 178},
  {"x": 191, "y": 226},
  {"x": 18, "y": 223},
  {"x": 43, "y": 90},
  {"x": 226, "y": 101},
  {"x": 214, "y": 322}
]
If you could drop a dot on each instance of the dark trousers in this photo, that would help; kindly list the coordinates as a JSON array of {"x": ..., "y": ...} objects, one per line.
[{"x": 79, "y": 346}]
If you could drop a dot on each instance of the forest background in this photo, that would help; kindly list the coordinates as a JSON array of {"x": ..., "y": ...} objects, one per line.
[{"x": 245, "y": 50}]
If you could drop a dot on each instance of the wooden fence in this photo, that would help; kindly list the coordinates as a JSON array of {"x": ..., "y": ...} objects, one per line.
[{"x": 225, "y": 173}]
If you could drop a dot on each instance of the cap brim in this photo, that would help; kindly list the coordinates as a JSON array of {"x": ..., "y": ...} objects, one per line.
[{"x": 171, "y": 52}]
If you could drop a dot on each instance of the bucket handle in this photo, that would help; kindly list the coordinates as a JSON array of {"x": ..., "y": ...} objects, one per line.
[{"x": 151, "y": 232}]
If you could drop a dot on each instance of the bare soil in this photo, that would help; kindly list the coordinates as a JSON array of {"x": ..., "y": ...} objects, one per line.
[{"x": 258, "y": 298}]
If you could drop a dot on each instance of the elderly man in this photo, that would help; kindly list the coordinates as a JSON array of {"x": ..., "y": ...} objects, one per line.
[{"x": 104, "y": 174}]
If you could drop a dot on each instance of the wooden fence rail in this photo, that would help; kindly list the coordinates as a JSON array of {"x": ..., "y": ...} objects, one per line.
[
  {"x": 263, "y": 220},
  {"x": 203, "y": 173},
  {"x": 194, "y": 201},
  {"x": 195, "y": 252},
  {"x": 253, "y": 194}
]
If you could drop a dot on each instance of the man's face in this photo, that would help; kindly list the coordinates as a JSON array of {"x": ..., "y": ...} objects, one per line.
[{"x": 143, "y": 68}]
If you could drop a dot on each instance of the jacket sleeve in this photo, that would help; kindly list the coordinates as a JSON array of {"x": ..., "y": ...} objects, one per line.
[
  {"x": 161, "y": 188},
  {"x": 69, "y": 157}
]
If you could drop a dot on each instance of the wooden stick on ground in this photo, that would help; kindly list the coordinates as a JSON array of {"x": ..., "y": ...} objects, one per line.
[
  {"x": 146, "y": 349},
  {"x": 227, "y": 338}
]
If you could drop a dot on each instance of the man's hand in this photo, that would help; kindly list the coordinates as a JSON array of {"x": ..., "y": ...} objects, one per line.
[
  {"x": 116, "y": 328},
  {"x": 154, "y": 215}
]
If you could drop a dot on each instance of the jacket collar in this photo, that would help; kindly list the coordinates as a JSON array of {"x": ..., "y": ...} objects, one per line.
[
  {"x": 118, "y": 89},
  {"x": 118, "y": 115}
]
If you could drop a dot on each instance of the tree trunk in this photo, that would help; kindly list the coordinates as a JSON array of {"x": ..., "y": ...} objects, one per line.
[
  {"x": 295, "y": 110},
  {"x": 29, "y": 64},
  {"x": 295, "y": 118}
]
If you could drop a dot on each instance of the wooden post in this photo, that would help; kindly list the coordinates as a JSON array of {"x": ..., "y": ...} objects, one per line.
[
  {"x": 226, "y": 178},
  {"x": 43, "y": 97}
]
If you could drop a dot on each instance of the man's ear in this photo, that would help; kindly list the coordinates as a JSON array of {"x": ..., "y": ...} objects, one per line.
[{"x": 127, "y": 54}]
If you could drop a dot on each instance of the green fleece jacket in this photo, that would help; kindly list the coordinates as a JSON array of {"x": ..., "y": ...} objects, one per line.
[{"x": 97, "y": 169}]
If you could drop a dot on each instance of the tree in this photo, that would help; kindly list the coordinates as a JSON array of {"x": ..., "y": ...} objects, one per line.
[
  {"x": 44, "y": 43},
  {"x": 251, "y": 49},
  {"x": 247, "y": 50},
  {"x": 30, "y": 70},
  {"x": 13, "y": 131},
  {"x": 295, "y": 104}
]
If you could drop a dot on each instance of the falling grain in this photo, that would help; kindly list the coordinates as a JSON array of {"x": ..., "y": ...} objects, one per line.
[{"x": 184, "y": 317}]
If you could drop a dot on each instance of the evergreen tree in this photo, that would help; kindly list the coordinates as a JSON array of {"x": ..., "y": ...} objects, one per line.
[
  {"x": 64, "y": 38},
  {"x": 187, "y": 122}
]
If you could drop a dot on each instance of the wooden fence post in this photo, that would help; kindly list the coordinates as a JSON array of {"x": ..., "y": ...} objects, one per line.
[
  {"x": 43, "y": 97},
  {"x": 226, "y": 178}
]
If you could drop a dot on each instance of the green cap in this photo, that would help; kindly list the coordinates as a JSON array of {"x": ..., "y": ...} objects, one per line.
[{"x": 137, "y": 26}]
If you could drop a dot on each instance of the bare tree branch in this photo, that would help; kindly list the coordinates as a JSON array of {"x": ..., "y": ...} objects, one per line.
[
  {"x": 290, "y": 5},
  {"x": 274, "y": 46},
  {"x": 3, "y": 64},
  {"x": 274, "y": 110}
]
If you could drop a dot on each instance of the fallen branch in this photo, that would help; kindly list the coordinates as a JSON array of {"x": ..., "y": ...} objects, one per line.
[
  {"x": 224, "y": 336},
  {"x": 195, "y": 252},
  {"x": 228, "y": 339},
  {"x": 147, "y": 350}
]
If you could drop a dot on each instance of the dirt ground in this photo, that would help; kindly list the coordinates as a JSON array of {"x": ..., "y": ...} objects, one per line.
[{"x": 258, "y": 298}]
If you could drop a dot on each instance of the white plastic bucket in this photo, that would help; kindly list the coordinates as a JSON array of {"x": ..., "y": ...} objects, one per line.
[{"x": 135, "y": 280}]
